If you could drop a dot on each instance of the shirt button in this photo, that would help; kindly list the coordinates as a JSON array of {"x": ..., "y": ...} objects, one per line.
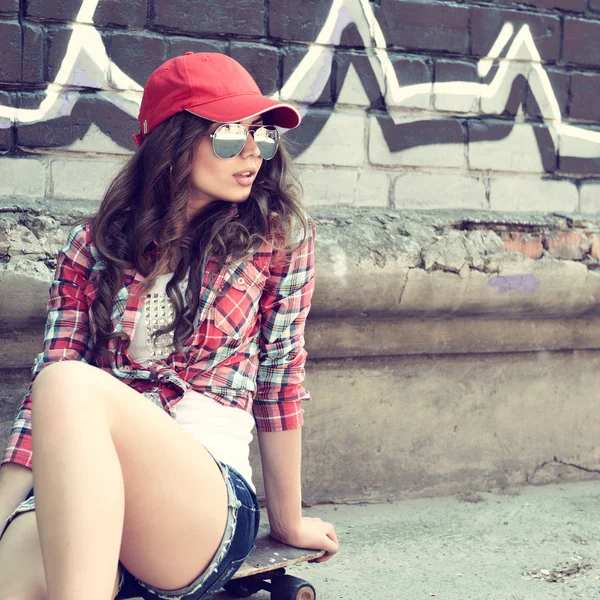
[{"x": 241, "y": 280}]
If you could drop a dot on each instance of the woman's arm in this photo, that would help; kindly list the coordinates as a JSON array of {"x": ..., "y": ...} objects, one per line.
[
  {"x": 285, "y": 304},
  {"x": 281, "y": 456}
]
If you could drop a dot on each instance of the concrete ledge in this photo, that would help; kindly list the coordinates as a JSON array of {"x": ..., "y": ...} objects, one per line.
[{"x": 447, "y": 351}]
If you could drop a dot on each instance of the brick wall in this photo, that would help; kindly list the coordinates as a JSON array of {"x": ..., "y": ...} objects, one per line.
[{"x": 465, "y": 104}]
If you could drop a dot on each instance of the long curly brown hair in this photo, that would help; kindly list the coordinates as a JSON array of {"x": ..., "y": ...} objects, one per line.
[{"x": 147, "y": 202}]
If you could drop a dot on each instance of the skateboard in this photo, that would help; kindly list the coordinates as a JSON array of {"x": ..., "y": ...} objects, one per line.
[{"x": 265, "y": 569}]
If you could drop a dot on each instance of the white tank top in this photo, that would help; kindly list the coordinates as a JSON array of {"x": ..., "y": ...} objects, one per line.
[{"x": 225, "y": 431}]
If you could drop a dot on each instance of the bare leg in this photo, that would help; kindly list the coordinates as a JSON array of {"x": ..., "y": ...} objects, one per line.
[
  {"x": 79, "y": 494},
  {"x": 116, "y": 478}
]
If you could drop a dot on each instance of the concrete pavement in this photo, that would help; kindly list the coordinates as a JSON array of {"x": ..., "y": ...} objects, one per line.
[{"x": 530, "y": 543}]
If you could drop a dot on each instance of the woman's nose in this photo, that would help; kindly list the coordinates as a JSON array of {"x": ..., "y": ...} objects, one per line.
[{"x": 250, "y": 147}]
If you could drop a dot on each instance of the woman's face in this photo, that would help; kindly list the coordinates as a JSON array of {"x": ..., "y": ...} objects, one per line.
[{"x": 214, "y": 178}]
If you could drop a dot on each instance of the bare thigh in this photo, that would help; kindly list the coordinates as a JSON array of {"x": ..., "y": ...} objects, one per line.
[
  {"x": 21, "y": 568},
  {"x": 175, "y": 494}
]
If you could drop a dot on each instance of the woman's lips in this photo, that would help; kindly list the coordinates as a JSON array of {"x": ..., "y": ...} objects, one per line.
[{"x": 245, "y": 180}]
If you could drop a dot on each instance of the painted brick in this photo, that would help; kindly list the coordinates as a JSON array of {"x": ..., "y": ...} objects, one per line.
[
  {"x": 510, "y": 95},
  {"x": 132, "y": 14},
  {"x": 6, "y": 133},
  {"x": 356, "y": 82},
  {"x": 566, "y": 5},
  {"x": 58, "y": 40},
  {"x": 67, "y": 129},
  {"x": 373, "y": 188},
  {"x": 178, "y": 46},
  {"x": 10, "y": 52},
  {"x": 108, "y": 12},
  {"x": 23, "y": 178},
  {"x": 585, "y": 91},
  {"x": 298, "y": 140},
  {"x": 578, "y": 154},
  {"x": 326, "y": 187},
  {"x": 497, "y": 146},
  {"x": 486, "y": 24},
  {"x": 297, "y": 20},
  {"x": 523, "y": 243},
  {"x": 589, "y": 198},
  {"x": 581, "y": 42},
  {"x": 262, "y": 62},
  {"x": 438, "y": 191},
  {"x": 450, "y": 71},
  {"x": 568, "y": 245},
  {"x": 340, "y": 141},
  {"x": 9, "y": 7},
  {"x": 414, "y": 142},
  {"x": 537, "y": 104},
  {"x": 77, "y": 179},
  {"x": 520, "y": 194},
  {"x": 54, "y": 10},
  {"x": 33, "y": 54},
  {"x": 413, "y": 71},
  {"x": 306, "y": 90},
  {"x": 138, "y": 55},
  {"x": 425, "y": 26},
  {"x": 214, "y": 16}
]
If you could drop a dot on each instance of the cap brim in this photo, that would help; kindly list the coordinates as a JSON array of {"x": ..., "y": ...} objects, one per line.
[{"x": 246, "y": 106}]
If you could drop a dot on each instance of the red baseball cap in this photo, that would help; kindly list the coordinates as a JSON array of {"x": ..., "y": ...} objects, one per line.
[{"x": 210, "y": 85}]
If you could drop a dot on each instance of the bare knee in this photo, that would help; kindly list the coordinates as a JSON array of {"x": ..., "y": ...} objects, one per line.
[{"x": 64, "y": 371}]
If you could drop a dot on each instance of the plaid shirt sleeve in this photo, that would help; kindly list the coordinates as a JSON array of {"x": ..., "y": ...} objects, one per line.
[
  {"x": 285, "y": 304},
  {"x": 66, "y": 336}
]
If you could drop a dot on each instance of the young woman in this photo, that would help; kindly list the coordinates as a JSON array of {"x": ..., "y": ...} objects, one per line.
[{"x": 175, "y": 324}]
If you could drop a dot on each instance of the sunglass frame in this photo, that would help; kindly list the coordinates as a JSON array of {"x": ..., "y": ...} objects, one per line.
[{"x": 249, "y": 130}]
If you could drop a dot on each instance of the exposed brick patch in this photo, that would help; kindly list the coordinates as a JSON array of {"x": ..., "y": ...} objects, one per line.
[
  {"x": 211, "y": 16},
  {"x": 262, "y": 62},
  {"x": 569, "y": 245},
  {"x": 595, "y": 249},
  {"x": 581, "y": 44},
  {"x": 524, "y": 243},
  {"x": 10, "y": 47},
  {"x": 425, "y": 26},
  {"x": 488, "y": 22}
]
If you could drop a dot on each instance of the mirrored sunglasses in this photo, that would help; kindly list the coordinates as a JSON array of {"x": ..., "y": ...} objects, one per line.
[{"x": 230, "y": 138}]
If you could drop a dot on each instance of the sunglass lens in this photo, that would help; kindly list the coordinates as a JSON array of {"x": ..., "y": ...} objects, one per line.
[
  {"x": 267, "y": 140},
  {"x": 228, "y": 140}
]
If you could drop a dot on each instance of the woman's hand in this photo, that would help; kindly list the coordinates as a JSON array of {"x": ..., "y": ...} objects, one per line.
[{"x": 314, "y": 534}]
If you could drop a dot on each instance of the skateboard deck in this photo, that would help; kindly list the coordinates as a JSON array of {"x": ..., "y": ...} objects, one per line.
[{"x": 265, "y": 569}]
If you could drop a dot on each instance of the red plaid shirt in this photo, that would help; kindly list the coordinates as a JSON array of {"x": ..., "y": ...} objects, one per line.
[{"x": 246, "y": 351}]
